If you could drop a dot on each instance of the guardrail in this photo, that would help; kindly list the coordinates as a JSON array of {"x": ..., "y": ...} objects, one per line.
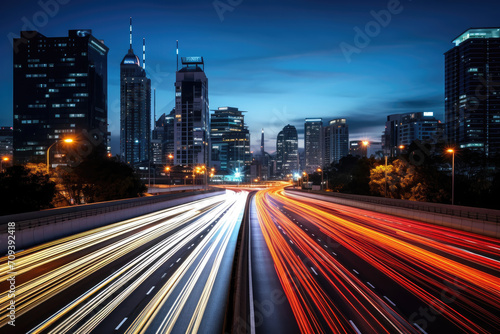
[
  {"x": 489, "y": 215},
  {"x": 51, "y": 216}
]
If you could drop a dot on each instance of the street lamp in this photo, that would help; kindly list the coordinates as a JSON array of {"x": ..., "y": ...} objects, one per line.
[
  {"x": 452, "y": 151},
  {"x": 320, "y": 170},
  {"x": 4, "y": 159},
  {"x": 365, "y": 145},
  {"x": 67, "y": 141}
]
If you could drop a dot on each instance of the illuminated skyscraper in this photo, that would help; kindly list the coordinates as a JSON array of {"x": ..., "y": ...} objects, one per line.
[
  {"x": 191, "y": 129},
  {"x": 287, "y": 151},
  {"x": 60, "y": 90},
  {"x": 336, "y": 140},
  {"x": 230, "y": 140},
  {"x": 135, "y": 109},
  {"x": 313, "y": 144},
  {"x": 472, "y": 91}
]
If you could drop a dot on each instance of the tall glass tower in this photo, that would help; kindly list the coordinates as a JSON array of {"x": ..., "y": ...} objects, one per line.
[
  {"x": 287, "y": 151},
  {"x": 472, "y": 91},
  {"x": 230, "y": 139},
  {"x": 313, "y": 143},
  {"x": 135, "y": 109},
  {"x": 191, "y": 127},
  {"x": 60, "y": 90}
]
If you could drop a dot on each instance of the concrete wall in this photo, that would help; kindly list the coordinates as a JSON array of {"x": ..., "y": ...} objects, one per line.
[
  {"x": 471, "y": 225},
  {"x": 35, "y": 235}
]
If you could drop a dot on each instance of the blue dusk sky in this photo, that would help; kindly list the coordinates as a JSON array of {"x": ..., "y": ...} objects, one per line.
[{"x": 280, "y": 60}]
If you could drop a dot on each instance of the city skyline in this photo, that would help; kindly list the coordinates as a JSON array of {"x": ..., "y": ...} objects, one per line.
[{"x": 283, "y": 69}]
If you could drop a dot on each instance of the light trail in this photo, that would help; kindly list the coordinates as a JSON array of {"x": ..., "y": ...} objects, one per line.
[
  {"x": 425, "y": 260},
  {"x": 172, "y": 230}
]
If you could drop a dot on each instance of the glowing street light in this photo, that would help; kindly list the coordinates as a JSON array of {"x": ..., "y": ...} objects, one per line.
[
  {"x": 66, "y": 140},
  {"x": 320, "y": 170},
  {"x": 4, "y": 159},
  {"x": 452, "y": 151}
]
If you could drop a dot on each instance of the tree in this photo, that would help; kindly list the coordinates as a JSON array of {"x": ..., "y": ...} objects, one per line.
[
  {"x": 403, "y": 181},
  {"x": 100, "y": 179},
  {"x": 22, "y": 190}
]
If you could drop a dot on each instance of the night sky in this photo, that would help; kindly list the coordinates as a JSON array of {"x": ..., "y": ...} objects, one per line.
[{"x": 280, "y": 60}]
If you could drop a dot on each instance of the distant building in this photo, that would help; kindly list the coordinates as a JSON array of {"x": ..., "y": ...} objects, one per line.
[
  {"x": 336, "y": 141},
  {"x": 472, "y": 92},
  {"x": 135, "y": 109},
  {"x": 313, "y": 144},
  {"x": 60, "y": 90},
  {"x": 366, "y": 149},
  {"x": 163, "y": 139},
  {"x": 192, "y": 116},
  {"x": 6, "y": 141},
  {"x": 230, "y": 140},
  {"x": 403, "y": 129},
  {"x": 287, "y": 151}
]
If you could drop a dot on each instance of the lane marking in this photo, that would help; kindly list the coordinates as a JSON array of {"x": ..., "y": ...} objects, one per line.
[
  {"x": 171, "y": 265},
  {"x": 291, "y": 242},
  {"x": 178, "y": 260},
  {"x": 314, "y": 271},
  {"x": 150, "y": 290},
  {"x": 334, "y": 253},
  {"x": 419, "y": 328},
  {"x": 164, "y": 275},
  {"x": 390, "y": 301},
  {"x": 121, "y": 323},
  {"x": 355, "y": 271},
  {"x": 354, "y": 326},
  {"x": 370, "y": 285}
]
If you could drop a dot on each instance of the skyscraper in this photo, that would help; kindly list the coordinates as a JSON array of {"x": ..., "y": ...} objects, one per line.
[
  {"x": 191, "y": 130},
  {"x": 287, "y": 151},
  {"x": 230, "y": 140},
  {"x": 472, "y": 91},
  {"x": 336, "y": 139},
  {"x": 403, "y": 129},
  {"x": 313, "y": 143},
  {"x": 60, "y": 90},
  {"x": 135, "y": 109}
]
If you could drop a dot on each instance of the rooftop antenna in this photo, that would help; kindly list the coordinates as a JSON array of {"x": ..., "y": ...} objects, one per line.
[
  {"x": 177, "y": 54},
  {"x": 131, "y": 33},
  {"x": 144, "y": 54},
  {"x": 154, "y": 107}
]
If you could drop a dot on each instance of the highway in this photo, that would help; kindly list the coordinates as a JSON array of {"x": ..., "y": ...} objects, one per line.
[
  {"x": 314, "y": 267},
  {"x": 163, "y": 272},
  {"x": 347, "y": 270}
]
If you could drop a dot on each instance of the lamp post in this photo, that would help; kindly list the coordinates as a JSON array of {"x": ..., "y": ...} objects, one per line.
[
  {"x": 452, "y": 151},
  {"x": 385, "y": 177},
  {"x": 365, "y": 145},
  {"x": 320, "y": 170},
  {"x": 67, "y": 140},
  {"x": 4, "y": 159}
]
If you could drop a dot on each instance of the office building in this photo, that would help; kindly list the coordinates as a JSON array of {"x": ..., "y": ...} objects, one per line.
[
  {"x": 191, "y": 129},
  {"x": 336, "y": 141},
  {"x": 472, "y": 91},
  {"x": 135, "y": 109},
  {"x": 230, "y": 140},
  {"x": 313, "y": 144},
  {"x": 60, "y": 90},
  {"x": 163, "y": 139},
  {"x": 6, "y": 142},
  {"x": 403, "y": 129},
  {"x": 287, "y": 151}
]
